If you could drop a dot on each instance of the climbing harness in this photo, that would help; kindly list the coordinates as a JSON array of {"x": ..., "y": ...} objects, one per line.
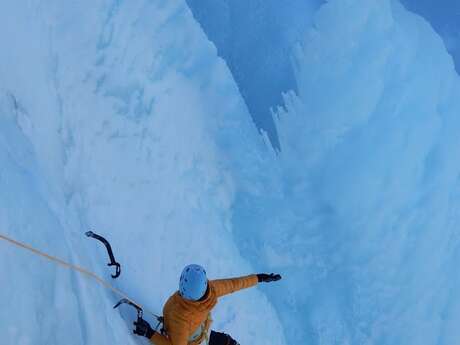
[
  {"x": 85, "y": 272},
  {"x": 201, "y": 334},
  {"x": 112, "y": 262}
]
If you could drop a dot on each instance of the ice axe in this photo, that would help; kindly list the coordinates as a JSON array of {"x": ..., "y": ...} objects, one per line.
[{"x": 112, "y": 262}]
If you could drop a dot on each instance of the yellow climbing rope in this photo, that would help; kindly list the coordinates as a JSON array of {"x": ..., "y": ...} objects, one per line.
[{"x": 74, "y": 268}]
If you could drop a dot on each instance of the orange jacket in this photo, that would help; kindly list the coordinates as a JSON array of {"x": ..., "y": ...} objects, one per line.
[{"x": 182, "y": 317}]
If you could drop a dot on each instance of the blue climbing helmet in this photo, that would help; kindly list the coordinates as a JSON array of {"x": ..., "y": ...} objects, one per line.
[{"x": 193, "y": 282}]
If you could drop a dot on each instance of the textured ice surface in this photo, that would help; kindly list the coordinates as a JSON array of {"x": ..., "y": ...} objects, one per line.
[
  {"x": 119, "y": 117},
  {"x": 256, "y": 38},
  {"x": 367, "y": 228},
  {"x": 444, "y": 16}
]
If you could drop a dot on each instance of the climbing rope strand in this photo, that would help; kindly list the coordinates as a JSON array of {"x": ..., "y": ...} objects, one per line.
[{"x": 75, "y": 268}]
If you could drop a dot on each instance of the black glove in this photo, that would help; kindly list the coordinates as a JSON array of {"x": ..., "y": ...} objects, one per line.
[
  {"x": 143, "y": 328},
  {"x": 267, "y": 278},
  {"x": 221, "y": 338}
]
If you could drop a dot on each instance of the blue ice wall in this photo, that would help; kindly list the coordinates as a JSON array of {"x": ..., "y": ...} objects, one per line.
[
  {"x": 118, "y": 116},
  {"x": 256, "y": 38},
  {"x": 365, "y": 228},
  {"x": 444, "y": 16}
]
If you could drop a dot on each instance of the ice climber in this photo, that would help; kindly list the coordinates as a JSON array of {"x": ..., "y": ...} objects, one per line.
[{"x": 187, "y": 313}]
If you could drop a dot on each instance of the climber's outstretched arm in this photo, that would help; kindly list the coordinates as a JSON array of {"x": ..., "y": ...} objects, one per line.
[{"x": 227, "y": 286}]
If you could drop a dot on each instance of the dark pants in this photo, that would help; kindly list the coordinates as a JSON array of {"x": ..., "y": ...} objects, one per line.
[{"x": 217, "y": 338}]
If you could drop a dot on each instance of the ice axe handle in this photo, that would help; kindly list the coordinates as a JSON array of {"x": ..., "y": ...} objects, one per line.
[
  {"x": 112, "y": 262},
  {"x": 139, "y": 310}
]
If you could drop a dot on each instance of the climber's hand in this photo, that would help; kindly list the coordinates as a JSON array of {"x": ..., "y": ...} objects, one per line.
[
  {"x": 267, "y": 278},
  {"x": 143, "y": 328}
]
